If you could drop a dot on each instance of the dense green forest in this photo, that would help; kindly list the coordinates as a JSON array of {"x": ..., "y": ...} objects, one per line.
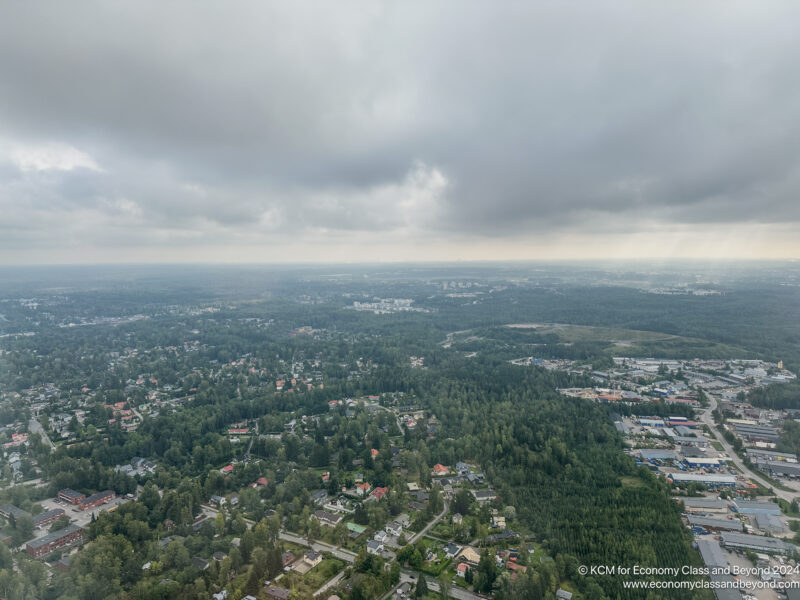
[{"x": 215, "y": 344}]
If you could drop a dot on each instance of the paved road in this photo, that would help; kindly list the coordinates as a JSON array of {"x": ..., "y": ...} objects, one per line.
[
  {"x": 455, "y": 591},
  {"x": 430, "y": 525},
  {"x": 707, "y": 419},
  {"x": 330, "y": 584},
  {"x": 35, "y": 427},
  {"x": 319, "y": 546}
]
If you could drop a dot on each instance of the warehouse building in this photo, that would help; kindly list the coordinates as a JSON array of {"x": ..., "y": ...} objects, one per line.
[
  {"x": 756, "y": 542},
  {"x": 691, "y": 441},
  {"x": 704, "y": 505},
  {"x": 707, "y": 480},
  {"x": 716, "y": 524},
  {"x": 692, "y": 450},
  {"x": 782, "y": 468},
  {"x": 755, "y": 454},
  {"x": 756, "y": 432},
  {"x": 712, "y": 554},
  {"x": 701, "y": 462},
  {"x": 714, "y": 558},
  {"x": 53, "y": 541},
  {"x": 752, "y": 507},
  {"x": 770, "y": 523},
  {"x": 657, "y": 454}
]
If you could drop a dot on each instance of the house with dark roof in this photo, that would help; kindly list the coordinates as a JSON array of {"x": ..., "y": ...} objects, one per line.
[{"x": 275, "y": 592}]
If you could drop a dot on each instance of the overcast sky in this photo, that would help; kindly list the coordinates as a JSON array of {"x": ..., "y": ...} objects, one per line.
[{"x": 339, "y": 131}]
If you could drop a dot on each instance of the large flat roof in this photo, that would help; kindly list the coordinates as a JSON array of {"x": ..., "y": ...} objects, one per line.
[
  {"x": 712, "y": 553},
  {"x": 704, "y": 502},
  {"x": 52, "y": 537},
  {"x": 729, "y": 479},
  {"x": 730, "y": 524},
  {"x": 757, "y": 541}
]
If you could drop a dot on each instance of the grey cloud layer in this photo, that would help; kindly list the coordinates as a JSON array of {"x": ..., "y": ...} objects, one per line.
[{"x": 244, "y": 121}]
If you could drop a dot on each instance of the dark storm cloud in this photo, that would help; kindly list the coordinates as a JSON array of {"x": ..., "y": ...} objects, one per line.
[{"x": 125, "y": 123}]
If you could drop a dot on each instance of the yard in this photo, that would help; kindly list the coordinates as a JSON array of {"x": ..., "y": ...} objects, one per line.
[{"x": 310, "y": 582}]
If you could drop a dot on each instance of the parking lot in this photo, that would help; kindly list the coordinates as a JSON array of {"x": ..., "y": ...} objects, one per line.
[{"x": 79, "y": 517}]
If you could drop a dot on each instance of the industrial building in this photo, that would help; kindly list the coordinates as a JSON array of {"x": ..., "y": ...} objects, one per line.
[
  {"x": 755, "y": 542},
  {"x": 657, "y": 454},
  {"x": 713, "y": 480},
  {"x": 711, "y": 553},
  {"x": 691, "y": 441},
  {"x": 770, "y": 523},
  {"x": 714, "y": 558},
  {"x": 752, "y": 507},
  {"x": 780, "y": 467},
  {"x": 54, "y": 541},
  {"x": 756, "y": 432},
  {"x": 755, "y": 454},
  {"x": 704, "y": 505},
  {"x": 684, "y": 431},
  {"x": 702, "y": 462},
  {"x": 717, "y": 524}
]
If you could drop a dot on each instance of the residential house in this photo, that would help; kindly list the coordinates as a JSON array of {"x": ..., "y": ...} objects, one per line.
[
  {"x": 312, "y": 558},
  {"x": 275, "y": 592},
  {"x": 470, "y": 555},
  {"x": 394, "y": 528},
  {"x": 326, "y": 518},
  {"x": 379, "y": 492}
]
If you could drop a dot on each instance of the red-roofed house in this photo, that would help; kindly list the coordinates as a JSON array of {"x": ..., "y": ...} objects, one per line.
[
  {"x": 374, "y": 452},
  {"x": 379, "y": 492},
  {"x": 440, "y": 469},
  {"x": 462, "y": 568},
  {"x": 226, "y": 469},
  {"x": 512, "y": 566},
  {"x": 363, "y": 488}
]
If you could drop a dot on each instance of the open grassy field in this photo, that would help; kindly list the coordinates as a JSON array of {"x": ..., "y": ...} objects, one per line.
[{"x": 627, "y": 342}]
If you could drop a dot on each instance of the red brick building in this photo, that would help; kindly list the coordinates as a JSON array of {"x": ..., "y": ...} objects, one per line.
[
  {"x": 71, "y": 496},
  {"x": 46, "y": 518},
  {"x": 53, "y": 541},
  {"x": 97, "y": 499}
]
